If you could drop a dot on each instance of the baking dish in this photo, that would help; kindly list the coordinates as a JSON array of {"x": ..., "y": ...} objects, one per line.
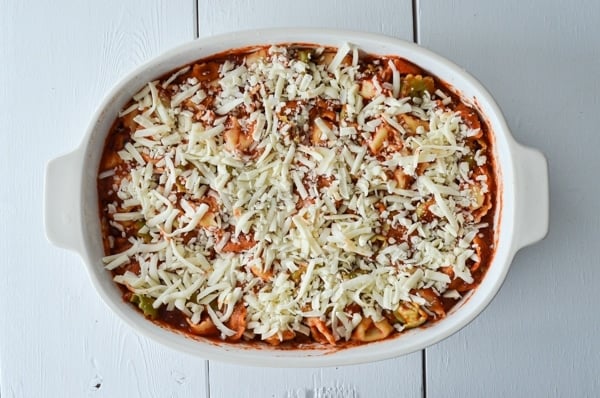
[{"x": 72, "y": 220}]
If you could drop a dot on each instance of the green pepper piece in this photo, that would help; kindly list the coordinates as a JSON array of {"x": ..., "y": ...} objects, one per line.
[
  {"x": 304, "y": 55},
  {"x": 145, "y": 304},
  {"x": 470, "y": 159},
  {"x": 415, "y": 86},
  {"x": 145, "y": 235}
]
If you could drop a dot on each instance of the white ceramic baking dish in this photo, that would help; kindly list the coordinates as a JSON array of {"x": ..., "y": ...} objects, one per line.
[{"x": 72, "y": 215}]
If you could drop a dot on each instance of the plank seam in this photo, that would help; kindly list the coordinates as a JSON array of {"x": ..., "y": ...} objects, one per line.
[
  {"x": 415, "y": 21},
  {"x": 196, "y": 19},
  {"x": 424, "y": 370},
  {"x": 207, "y": 379}
]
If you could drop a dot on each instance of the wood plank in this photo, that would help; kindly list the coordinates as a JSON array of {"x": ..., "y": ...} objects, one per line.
[
  {"x": 57, "y": 339},
  {"x": 390, "y": 17},
  {"x": 399, "y": 377},
  {"x": 540, "y": 335}
]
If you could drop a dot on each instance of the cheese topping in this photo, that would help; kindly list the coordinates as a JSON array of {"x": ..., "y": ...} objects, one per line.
[{"x": 299, "y": 183}]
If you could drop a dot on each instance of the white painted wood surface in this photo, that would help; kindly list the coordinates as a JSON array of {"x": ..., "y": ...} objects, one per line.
[
  {"x": 537, "y": 338},
  {"x": 391, "y": 17}
]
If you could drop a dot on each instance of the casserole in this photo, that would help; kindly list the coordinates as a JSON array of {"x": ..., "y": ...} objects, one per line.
[{"x": 72, "y": 218}]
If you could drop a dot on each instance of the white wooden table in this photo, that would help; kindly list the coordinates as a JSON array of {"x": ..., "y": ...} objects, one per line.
[{"x": 539, "y": 338}]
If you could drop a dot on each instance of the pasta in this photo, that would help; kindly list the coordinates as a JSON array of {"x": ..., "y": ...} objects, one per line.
[{"x": 297, "y": 195}]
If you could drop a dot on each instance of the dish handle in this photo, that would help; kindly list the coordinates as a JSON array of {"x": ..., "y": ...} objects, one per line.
[
  {"x": 531, "y": 180},
  {"x": 62, "y": 219}
]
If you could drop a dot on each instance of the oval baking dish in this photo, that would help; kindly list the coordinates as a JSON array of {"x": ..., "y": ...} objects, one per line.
[{"x": 72, "y": 220}]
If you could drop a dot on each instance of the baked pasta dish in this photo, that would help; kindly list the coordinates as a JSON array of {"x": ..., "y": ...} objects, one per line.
[{"x": 297, "y": 195}]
